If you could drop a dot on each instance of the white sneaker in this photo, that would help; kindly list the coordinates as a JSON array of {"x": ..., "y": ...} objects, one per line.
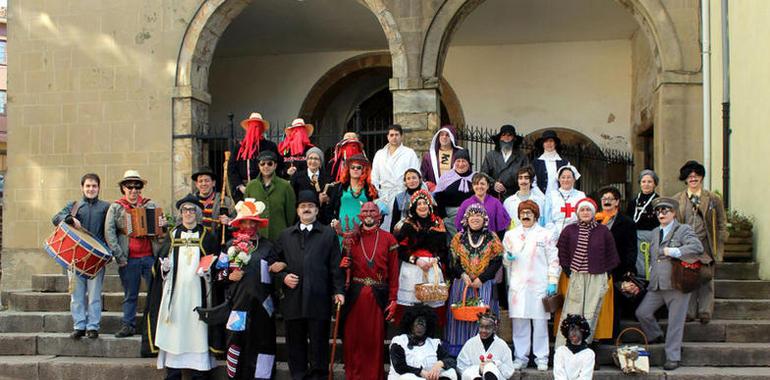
[
  {"x": 542, "y": 366},
  {"x": 518, "y": 364}
]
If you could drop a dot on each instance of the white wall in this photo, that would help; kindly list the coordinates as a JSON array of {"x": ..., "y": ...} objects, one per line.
[
  {"x": 579, "y": 85},
  {"x": 274, "y": 86}
]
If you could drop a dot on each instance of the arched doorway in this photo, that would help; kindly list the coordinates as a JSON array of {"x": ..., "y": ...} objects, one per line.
[{"x": 354, "y": 96}]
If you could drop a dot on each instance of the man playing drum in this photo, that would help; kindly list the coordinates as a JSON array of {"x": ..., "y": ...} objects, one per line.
[
  {"x": 135, "y": 255},
  {"x": 88, "y": 213}
]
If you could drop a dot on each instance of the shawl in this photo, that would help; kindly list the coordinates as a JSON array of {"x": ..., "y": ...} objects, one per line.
[{"x": 475, "y": 260}]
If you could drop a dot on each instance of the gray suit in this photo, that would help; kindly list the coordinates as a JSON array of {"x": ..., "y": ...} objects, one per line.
[{"x": 660, "y": 291}]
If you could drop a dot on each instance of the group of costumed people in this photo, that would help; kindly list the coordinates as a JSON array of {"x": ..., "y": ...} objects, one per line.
[{"x": 364, "y": 237}]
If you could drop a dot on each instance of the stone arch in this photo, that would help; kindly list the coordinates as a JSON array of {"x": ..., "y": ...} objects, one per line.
[
  {"x": 651, "y": 15},
  {"x": 393, "y": 34},
  {"x": 336, "y": 78}
]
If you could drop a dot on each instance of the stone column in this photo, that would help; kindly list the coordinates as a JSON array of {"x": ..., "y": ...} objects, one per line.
[
  {"x": 416, "y": 108},
  {"x": 678, "y": 130}
]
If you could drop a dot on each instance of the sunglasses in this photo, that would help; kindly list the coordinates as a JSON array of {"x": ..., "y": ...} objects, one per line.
[
  {"x": 266, "y": 163},
  {"x": 134, "y": 186},
  {"x": 356, "y": 167}
]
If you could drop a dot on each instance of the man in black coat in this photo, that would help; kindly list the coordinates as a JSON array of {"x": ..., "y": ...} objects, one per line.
[
  {"x": 623, "y": 232},
  {"x": 503, "y": 162},
  {"x": 311, "y": 281}
]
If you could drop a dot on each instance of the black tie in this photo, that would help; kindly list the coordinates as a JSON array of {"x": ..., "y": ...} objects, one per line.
[{"x": 660, "y": 241}]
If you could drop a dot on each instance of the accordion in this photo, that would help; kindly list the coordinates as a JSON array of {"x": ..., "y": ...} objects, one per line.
[{"x": 143, "y": 222}]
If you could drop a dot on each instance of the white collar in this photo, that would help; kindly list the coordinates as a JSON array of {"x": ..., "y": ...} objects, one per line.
[{"x": 306, "y": 227}]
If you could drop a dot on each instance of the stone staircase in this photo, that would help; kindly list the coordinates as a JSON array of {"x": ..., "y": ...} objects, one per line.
[{"x": 35, "y": 343}]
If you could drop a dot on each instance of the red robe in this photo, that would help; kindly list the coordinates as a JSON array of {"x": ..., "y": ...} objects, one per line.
[{"x": 364, "y": 329}]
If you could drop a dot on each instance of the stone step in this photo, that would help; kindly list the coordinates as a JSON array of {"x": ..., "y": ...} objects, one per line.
[
  {"x": 739, "y": 247},
  {"x": 741, "y": 309},
  {"x": 46, "y": 367},
  {"x": 59, "y": 283},
  {"x": 735, "y": 331},
  {"x": 737, "y": 271},
  {"x": 54, "y": 322},
  {"x": 60, "y": 344},
  {"x": 742, "y": 289},
  {"x": 38, "y": 301},
  {"x": 739, "y": 240}
]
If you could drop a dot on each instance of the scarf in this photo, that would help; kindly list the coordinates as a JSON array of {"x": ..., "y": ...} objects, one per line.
[
  {"x": 577, "y": 348},
  {"x": 604, "y": 217},
  {"x": 550, "y": 156},
  {"x": 295, "y": 142},
  {"x": 475, "y": 261},
  {"x": 580, "y": 258},
  {"x": 452, "y": 177}
]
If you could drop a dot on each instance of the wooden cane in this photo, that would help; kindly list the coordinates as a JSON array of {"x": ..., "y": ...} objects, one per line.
[
  {"x": 225, "y": 188},
  {"x": 334, "y": 340}
]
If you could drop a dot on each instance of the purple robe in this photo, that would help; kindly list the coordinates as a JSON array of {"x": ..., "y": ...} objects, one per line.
[{"x": 498, "y": 217}]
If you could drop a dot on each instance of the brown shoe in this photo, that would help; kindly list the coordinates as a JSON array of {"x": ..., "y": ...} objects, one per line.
[{"x": 704, "y": 318}]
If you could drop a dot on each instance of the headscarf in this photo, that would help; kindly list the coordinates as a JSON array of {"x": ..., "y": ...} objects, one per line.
[
  {"x": 475, "y": 209},
  {"x": 317, "y": 151},
  {"x": 435, "y": 145}
]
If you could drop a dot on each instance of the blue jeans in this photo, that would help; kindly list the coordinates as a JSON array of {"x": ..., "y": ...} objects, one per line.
[
  {"x": 86, "y": 302},
  {"x": 130, "y": 277}
]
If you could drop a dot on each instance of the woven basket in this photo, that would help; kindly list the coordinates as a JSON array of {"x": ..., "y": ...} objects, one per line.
[
  {"x": 636, "y": 362},
  {"x": 432, "y": 291},
  {"x": 468, "y": 313}
]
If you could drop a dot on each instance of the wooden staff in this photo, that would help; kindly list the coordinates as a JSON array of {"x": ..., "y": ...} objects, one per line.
[
  {"x": 225, "y": 188},
  {"x": 347, "y": 244}
]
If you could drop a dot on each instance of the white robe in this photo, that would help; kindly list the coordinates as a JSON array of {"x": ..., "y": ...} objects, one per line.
[
  {"x": 569, "y": 366},
  {"x": 536, "y": 265},
  {"x": 556, "y": 207},
  {"x": 182, "y": 338},
  {"x": 424, "y": 356},
  {"x": 512, "y": 203},
  {"x": 468, "y": 359},
  {"x": 388, "y": 175}
]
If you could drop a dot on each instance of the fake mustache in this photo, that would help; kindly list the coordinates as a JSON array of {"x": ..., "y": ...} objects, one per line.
[{"x": 527, "y": 218}]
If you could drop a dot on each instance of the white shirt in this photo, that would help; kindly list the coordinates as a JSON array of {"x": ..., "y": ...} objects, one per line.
[
  {"x": 569, "y": 366},
  {"x": 305, "y": 227},
  {"x": 473, "y": 348},
  {"x": 512, "y": 203},
  {"x": 388, "y": 169}
]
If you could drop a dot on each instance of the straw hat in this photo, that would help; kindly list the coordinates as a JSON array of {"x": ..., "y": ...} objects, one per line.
[
  {"x": 300, "y": 123},
  {"x": 255, "y": 116},
  {"x": 131, "y": 175}
]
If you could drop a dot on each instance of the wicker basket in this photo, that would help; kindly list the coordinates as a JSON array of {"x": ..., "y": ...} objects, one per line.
[
  {"x": 468, "y": 313},
  {"x": 631, "y": 361},
  {"x": 432, "y": 291}
]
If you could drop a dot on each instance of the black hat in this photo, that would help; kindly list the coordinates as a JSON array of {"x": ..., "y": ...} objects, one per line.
[
  {"x": 508, "y": 129},
  {"x": 306, "y": 196},
  {"x": 267, "y": 155},
  {"x": 689, "y": 167},
  {"x": 202, "y": 170},
  {"x": 189, "y": 198},
  {"x": 463, "y": 154},
  {"x": 547, "y": 134}
]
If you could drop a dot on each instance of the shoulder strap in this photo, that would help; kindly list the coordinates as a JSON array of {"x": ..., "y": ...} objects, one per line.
[{"x": 75, "y": 208}]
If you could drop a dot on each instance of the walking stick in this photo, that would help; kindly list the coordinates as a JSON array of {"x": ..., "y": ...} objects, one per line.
[
  {"x": 347, "y": 243},
  {"x": 334, "y": 340},
  {"x": 225, "y": 188}
]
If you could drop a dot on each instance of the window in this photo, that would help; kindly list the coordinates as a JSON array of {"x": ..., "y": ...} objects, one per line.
[
  {"x": 3, "y": 100},
  {"x": 2, "y": 52}
]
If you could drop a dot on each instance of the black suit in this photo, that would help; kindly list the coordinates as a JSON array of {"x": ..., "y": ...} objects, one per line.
[
  {"x": 314, "y": 257},
  {"x": 300, "y": 181}
]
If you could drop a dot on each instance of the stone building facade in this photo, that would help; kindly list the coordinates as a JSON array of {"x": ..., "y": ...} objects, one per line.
[{"x": 105, "y": 86}]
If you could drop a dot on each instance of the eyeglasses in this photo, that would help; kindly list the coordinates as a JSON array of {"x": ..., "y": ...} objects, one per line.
[
  {"x": 662, "y": 211},
  {"x": 608, "y": 198},
  {"x": 188, "y": 209},
  {"x": 526, "y": 212},
  {"x": 266, "y": 163},
  {"x": 134, "y": 186},
  {"x": 356, "y": 167}
]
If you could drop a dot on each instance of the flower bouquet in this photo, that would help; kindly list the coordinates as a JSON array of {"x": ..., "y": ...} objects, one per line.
[{"x": 237, "y": 256}]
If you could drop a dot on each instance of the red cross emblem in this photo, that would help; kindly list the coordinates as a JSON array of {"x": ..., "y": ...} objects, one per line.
[{"x": 568, "y": 209}]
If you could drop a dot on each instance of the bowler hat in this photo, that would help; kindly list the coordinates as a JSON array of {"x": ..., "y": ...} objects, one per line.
[{"x": 307, "y": 196}]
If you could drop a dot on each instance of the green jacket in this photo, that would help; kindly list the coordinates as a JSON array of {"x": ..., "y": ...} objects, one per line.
[{"x": 280, "y": 207}]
